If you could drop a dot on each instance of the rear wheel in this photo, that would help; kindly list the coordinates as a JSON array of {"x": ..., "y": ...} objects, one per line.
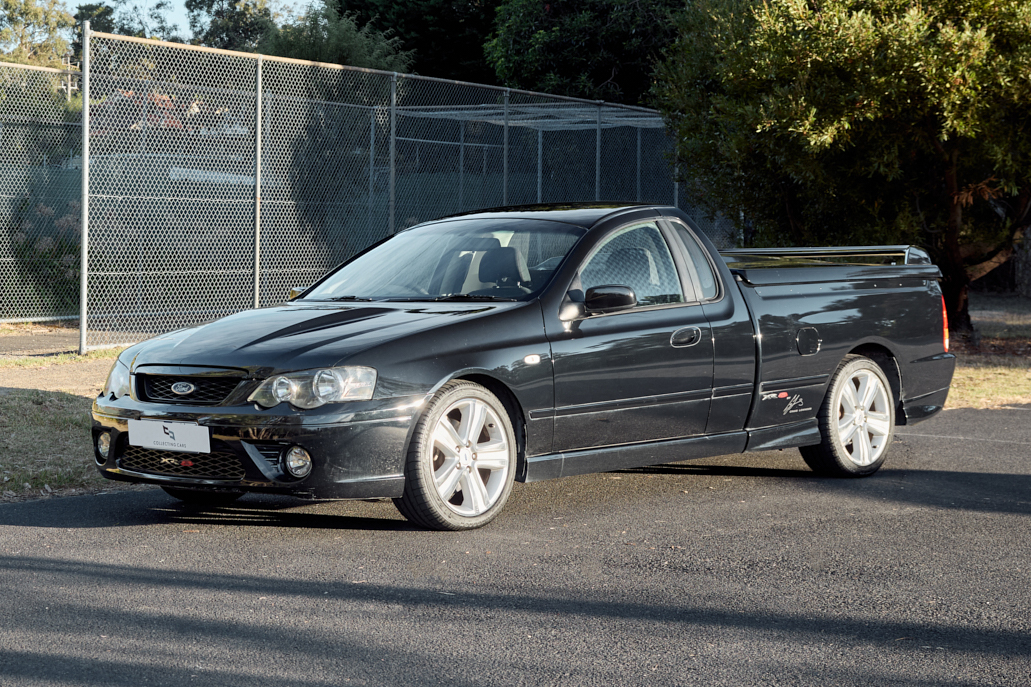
[
  {"x": 203, "y": 497},
  {"x": 857, "y": 421},
  {"x": 461, "y": 462}
]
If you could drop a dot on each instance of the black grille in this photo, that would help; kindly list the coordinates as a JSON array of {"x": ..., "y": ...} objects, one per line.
[
  {"x": 218, "y": 465},
  {"x": 207, "y": 391},
  {"x": 270, "y": 452}
]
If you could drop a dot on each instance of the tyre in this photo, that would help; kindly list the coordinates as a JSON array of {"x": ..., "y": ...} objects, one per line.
[
  {"x": 857, "y": 421},
  {"x": 461, "y": 461},
  {"x": 202, "y": 497}
]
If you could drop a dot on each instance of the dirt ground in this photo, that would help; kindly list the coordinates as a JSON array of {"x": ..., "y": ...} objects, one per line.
[
  {"x": 38, "y": 338},
  {"x": 43, "y": 342},
  {"x": 81, "y": 379}
]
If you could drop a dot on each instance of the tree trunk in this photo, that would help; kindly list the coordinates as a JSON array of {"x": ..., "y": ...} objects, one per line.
[{"x": 955, "y": 281}]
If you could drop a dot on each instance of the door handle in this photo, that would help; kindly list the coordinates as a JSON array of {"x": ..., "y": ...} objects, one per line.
[{"x": 688, "y": 336}]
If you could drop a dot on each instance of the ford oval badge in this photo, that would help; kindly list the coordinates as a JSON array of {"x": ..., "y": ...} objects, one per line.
[{"x": 182, "y": 388}]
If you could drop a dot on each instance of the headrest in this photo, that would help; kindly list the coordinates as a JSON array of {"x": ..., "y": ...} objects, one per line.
[
  {"x": 477, "y": 243},
  {"x": 503, "y": 266}
]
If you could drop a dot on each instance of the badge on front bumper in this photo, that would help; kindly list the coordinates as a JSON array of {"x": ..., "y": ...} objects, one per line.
[{"x": 187, "y": 437}]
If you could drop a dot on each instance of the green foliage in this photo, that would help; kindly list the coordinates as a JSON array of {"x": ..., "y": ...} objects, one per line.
[
  {"x": 447, "y": 36},
  {"x": 597, "y": 49},
  {"x": 229, "y": 24},
  {"x": 325, "y": 35},
  {"x": 101, "y": 18},
  {"x": 49, "y": 263},
  {"x": 860, "y": 121},
  {"x": 127, "y": 18},
  {"x": 145, "y": 20},
  {"x": 30, "y": 31}
]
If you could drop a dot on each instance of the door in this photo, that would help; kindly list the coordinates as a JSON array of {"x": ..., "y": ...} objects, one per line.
[{"x": 641, "y": 374}]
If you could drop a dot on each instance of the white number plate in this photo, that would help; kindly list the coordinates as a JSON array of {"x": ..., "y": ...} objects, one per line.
[{"x": 188, "y": 437}]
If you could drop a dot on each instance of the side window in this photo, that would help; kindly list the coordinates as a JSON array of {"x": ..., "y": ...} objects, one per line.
[
  {"x": 706, "y": 278},
  {"x": 636, "y": 256}
]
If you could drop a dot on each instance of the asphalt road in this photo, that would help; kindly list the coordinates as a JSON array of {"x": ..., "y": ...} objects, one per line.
[{"x": 745, "y": 570}]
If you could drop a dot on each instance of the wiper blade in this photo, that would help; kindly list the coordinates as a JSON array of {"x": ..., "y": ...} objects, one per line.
[
  {"x": 348, "y": 298},
  {"x": 470, "y": 297}
]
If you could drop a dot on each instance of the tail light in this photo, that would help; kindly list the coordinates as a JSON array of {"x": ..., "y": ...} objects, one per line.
[{"x": 945, "y": 326}]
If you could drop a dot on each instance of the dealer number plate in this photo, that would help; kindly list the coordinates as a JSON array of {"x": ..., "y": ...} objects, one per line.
[{"x": 187, "y": 437}]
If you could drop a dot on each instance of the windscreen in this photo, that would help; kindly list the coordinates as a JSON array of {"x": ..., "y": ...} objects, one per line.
[{"x": 472, "y": 259}]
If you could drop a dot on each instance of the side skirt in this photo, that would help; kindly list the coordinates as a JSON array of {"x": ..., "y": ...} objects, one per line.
[
  {"x": 804, "y": 433},
  {"x": 555, "y": 465}
]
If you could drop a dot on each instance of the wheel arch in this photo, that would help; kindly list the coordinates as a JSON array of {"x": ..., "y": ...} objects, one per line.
[
  {"x": 885, "y": 359},
  {"x": 512, "y": 406},
  {"x": 507, "y": 397}
]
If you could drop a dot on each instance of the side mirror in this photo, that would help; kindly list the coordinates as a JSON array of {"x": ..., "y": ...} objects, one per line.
[
  {"x": 609, "y": 298},
  {"x": 571, "y": 311},
  {"x": 572, "y": 307},
  {"x": 296, "y": 291}
]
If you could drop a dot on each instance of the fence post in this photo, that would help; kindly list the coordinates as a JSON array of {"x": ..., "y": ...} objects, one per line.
[
  {"x": 504, "y": 173},
  {"x": 84, "y": 233},
  {"x": 638, "y": 164},
  {"x": 676, "y": 185},
  {"x": 461, "y": 165},
  {"x": 597, "y": 157},
  {"x": 540, "y": 161},
  {"x": 372, "y": 164},
  {"x": 258, "y": 127},
  {"x": 391, "y": 226}
]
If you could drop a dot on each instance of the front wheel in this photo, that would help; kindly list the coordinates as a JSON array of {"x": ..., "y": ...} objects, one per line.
[
  {"x": 857, "y": 421},
  {"x": 461, "y": 462}
]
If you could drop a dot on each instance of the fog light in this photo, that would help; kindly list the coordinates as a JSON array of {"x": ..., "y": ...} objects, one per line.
[
  {"x": 297, "y": 462},
  {"x": 104, "y": 445}
]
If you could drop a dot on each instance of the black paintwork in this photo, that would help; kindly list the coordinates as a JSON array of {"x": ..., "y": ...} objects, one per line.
[{"x": 743, "y": 369}]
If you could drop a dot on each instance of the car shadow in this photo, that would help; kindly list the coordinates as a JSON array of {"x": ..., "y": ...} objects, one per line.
[
  {"x": 152, "y": 507},
  {"x": 717, "y": 471},
  {"x": 273, "y": 514}
]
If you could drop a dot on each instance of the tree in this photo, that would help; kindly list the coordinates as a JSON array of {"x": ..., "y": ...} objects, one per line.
[
  {"x": 145, "y": 20},
  {"x": 597, "y": 49},
  {"x": 101, "y": 18},
  {"x": 325, "y": 35},
  {"x": 229, "y": 24},
  {"x": 860, "y": 121},
  {"x": 446, "y": 36},
  {"x": 126, "y": 18},
  {"x": 30, "y": 31}
]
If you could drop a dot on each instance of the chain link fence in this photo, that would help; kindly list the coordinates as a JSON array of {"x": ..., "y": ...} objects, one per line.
[
  {"x": 218, "y": 180},
  {"x": 40, "y": 182}
]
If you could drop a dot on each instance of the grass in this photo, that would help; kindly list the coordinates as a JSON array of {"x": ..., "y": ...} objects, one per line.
[
  {"x": 990, "y": 382},
  {"x": 993, "y": 369},
  {"x": 33, "y": 328},
  {"x": 1001, "y": 316},
  {"x": 59, "y": 358},
  {"x": 22, "y": 328},
  {"x": 45, "y": 444}
]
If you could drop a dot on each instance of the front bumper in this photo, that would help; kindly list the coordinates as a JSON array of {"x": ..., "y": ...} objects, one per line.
[{"x": 357, "y": 449}]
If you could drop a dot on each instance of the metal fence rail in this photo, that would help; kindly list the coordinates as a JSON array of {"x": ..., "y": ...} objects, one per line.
[{"x": 213, "y": 181}]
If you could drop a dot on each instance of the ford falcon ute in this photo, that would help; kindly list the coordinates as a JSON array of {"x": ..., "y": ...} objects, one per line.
[{"x": 454, "y": 358}]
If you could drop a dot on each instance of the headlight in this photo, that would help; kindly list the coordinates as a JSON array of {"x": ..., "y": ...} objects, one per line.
[
  {"x": 117, "y": 381},
  {"x": 313, "y": 388}
]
